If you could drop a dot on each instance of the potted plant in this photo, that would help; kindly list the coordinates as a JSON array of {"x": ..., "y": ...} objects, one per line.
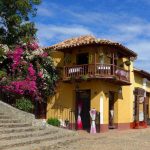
[
  {"x": 128, "y": 63},
  {"x": 84, "y": 77},
  {"x": 67, "y": 123},
  {"x": 67, "y": 59},
  {"x": 53, "y": 122}
]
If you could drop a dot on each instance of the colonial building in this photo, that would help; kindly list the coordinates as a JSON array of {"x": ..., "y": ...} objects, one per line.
[
  {"x": 141, "y": 107},
  {"x": 97, "y": 74}
]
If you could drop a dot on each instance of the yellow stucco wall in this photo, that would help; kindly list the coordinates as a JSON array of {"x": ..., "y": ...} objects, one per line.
[
  {"x": 139, "y": 83},
  {"x": 60, "y": 105},
  {"x": 66, "y": 98},
  {"x": 58, "y": 58},
  {"x": 63, "y": 102},
  {"x": 126, "y": 107}
]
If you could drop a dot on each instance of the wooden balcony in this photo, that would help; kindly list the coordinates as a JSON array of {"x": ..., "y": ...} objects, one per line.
[{"x": 97, "y": 71}]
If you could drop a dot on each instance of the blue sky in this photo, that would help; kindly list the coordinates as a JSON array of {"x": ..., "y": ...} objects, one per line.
[{"x": 124, "y": 21}]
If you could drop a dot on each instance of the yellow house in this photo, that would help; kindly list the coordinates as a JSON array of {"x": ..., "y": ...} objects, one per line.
[
  {"x": 141, "y": 103},
  {"x": 94, "y": 74}
]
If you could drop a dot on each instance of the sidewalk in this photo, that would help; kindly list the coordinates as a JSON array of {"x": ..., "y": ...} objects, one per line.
[{"x": 134, "y": 139}]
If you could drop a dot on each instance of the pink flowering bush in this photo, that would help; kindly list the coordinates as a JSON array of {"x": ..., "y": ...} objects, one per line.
[
  {"x": 20, "y": 87},
  {"x": 16, "y": 56},
  {"x": 34, "y": 45},
  {"x": 29, "y": 71}
]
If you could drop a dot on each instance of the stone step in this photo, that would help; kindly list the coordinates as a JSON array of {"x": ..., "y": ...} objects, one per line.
[
  {"x": 27, "y": 141},
  {"x": 9, "y": 121},
  {"x": 16, "y": 130},
  {"x": 9, "y": 125},
  {"x": 49, "y": 145},
  {"x": 1, "y": 113},
  {"x": 4, "y": 117},
  {"x": 59, "y": 143},
  {"x": 27, "y": 134}
]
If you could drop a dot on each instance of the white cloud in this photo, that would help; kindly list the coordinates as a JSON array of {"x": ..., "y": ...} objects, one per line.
[
  {"x": 142, "y": 47},
  {"x": 137, "y": 29},
  {"x": 135, "y": 36},
  {"x": 43, "y": 11},
  {"x": 88, "y": 17},
  {"x": 128, "y": 29},
  {"x": 53, "y": 32}
]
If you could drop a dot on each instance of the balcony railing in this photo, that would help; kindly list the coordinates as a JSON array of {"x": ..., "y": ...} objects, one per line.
[{"x": 96, "y": 71}]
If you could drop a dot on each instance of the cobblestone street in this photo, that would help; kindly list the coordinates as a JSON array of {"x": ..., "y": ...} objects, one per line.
[{"x": 113, "y": 140}]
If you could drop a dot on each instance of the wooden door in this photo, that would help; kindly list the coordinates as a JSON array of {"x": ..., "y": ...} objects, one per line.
[
  {"x": 111, "y": 110},
  {"x": 83, "y": 98},
  {"x": 147, "y": 108}
]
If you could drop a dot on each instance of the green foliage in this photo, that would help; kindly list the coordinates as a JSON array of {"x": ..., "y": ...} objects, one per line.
[
  {"x": 24, "y": 104},
  {"x": 15, "y": 16},
  {"x": 17, "y": 32},
  {"x": 3, "y": 78},
  {"x": 54, "y": 122},
  {"x": 1, "y": 51},
  {"x": 128, "y": 63},
  {"x": 47, "y": 85},
  {"x": 2, "y": 73},
  {"x": 84, "y": 77},
  {"x": 67, "y": 59}
]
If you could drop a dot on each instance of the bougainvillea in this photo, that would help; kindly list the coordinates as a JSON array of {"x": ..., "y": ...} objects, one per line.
[
  {"x": 27, "y": 70},
  {"x": 16, "y": 57}
]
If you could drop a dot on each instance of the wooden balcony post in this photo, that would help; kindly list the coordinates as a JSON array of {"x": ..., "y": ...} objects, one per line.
[
  {"x": 113, "y": 62},
  {"x": 95, "y": 63},
  {"x": 64, "y": 72},
  {"x": 137, "y": 109},
  {"x": 129, "y": 73},
  {"x": 145, "y": 109}
]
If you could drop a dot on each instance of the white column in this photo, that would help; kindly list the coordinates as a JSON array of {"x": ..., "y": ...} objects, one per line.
[
  {"x": 101, "y": 110},
  {"x": 144, "y": 85},
  {"x": 142, "y": 113}
]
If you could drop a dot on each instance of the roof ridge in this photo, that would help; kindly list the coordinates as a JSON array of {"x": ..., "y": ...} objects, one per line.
[
  {"x": 79, "y": 37},
  {"x": 87, "y": 40}
]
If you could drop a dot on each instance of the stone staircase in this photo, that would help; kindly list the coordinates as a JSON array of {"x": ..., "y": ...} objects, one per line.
[{"x": 15, "y": 134}]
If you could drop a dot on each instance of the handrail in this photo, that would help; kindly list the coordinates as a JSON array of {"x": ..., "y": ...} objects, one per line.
[
  {"x": 95, "y": 70},
  {"x": 122, "y": 73}
]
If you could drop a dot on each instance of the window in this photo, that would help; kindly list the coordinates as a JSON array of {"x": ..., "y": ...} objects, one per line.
[{"x": 82, "y": 58}]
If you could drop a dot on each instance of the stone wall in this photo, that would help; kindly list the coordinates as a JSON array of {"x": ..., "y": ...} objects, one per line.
[{"x": 21, "y": 115}]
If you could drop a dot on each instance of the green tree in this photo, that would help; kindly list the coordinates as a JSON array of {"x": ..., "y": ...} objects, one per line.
[{"x": 15, "y": 25}]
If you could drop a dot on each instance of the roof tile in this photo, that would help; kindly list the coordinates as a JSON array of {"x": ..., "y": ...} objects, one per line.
[{"x": 87, "y": 40}]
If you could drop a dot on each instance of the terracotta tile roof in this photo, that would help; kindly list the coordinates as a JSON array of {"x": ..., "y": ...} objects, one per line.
[{"x": 87, "y": 40}]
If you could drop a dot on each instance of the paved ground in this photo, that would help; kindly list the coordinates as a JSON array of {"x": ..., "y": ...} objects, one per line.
[
  {"x": 113, "y": 140},
  {"x": 16, "y": 134}
]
